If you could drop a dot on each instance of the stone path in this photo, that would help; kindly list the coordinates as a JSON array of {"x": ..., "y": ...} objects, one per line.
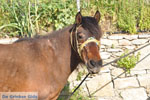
[{"x": 133, "y": 86}]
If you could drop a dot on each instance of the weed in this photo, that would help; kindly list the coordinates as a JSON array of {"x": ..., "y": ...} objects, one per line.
[
  {"x": 128, "y": 62},
  {"x": 81, "y": 73},
  {"x": 112, "y": 46}
]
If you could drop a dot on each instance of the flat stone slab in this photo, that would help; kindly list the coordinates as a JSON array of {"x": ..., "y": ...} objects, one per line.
[
  {"x": 109, "y": 42},
  {"x": 134, "y": 94},
  {"x": 105, "y": 55},
  {"x": 122, "y": 83},
  {"x": 124, "y": 42},
  {"x": 144, "y": 64},
  {"x": 137, "y": 72},
  {"x": 105, "y": 69},
  {"x": 139, "y": 41},
  {"x": 114, "y": 50},
  {"x": 7, "y": 40},
  {"x": 103, "y": 47},
  {"x": 144, "y": 36},
  {"x": 118, "y": 54},
  {"x": 106, "y": 42},
  {"x": 73, "y": 76},
  {"x": 99, "y": 81},
  {"x": 117, "y": 71},
  {"x": 130, "y": 47},
  {"x": 115, "y": 37},
  {"x": 131, "y": 37},
  {"x": 144, "y": 80}
]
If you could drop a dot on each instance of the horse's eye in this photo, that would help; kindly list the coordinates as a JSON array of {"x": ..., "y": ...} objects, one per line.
[{"x": 80, "y": 36}]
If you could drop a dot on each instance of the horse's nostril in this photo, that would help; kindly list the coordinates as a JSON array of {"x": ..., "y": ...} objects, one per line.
[
  {"x": 95, "y": 63},
  {"x": 92, "y": 62},
  {"x": 100, "y": 62}
]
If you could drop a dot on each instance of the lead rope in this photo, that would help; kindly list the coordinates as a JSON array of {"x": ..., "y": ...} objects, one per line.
[{"x": 106, "y": 65}]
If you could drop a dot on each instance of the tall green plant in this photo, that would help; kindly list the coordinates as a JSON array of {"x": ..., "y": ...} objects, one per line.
[
  {"x": 144, "y": 22},
  {"x": 22, "y": 16},
  {"x": 127, "y": 13}
]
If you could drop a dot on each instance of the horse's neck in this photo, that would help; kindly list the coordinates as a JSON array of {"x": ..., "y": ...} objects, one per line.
[
  {"x": 65, "y": 59},
  {"x": 68, "y": 56},
  {"x": 75, "y": 60}
]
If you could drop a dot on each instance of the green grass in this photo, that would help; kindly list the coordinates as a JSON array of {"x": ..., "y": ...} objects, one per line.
[{"x": 27, "y": 17}]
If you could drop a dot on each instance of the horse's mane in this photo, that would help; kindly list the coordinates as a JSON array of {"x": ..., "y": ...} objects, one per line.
[{"x": 90, "y": 24}]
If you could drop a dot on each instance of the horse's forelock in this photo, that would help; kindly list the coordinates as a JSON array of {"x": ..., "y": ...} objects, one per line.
[{"x": 90, "y": 24}]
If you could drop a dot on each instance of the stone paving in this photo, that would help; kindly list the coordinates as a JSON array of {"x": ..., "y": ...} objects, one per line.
[{"x": 133, "y": 86}]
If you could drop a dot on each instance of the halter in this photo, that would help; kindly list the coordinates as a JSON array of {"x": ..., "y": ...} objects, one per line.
[{"x": 80, "y": 46}]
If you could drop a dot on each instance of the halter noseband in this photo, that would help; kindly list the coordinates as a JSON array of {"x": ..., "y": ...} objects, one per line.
[{"x": 81, "y": 46}]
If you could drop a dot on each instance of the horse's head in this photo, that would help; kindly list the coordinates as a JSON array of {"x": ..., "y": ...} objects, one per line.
[{"x": 85, "y": 37}]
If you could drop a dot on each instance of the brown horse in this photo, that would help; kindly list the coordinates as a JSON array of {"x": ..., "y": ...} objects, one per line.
[{"x": 43, "y": 64}]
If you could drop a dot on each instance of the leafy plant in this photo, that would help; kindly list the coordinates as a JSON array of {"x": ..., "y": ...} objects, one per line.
[
  {"x": 57, "y": 14},
  {"x": 128, "y": 62},
  {"x": 79, "y": 76}
]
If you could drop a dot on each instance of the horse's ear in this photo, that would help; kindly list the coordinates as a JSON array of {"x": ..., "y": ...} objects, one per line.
[
  {"x": 78, "y": 18},
  {"x": 97, "y": 16}
]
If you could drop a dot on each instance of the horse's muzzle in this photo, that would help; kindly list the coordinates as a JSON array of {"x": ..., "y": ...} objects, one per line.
[{"x": 94, "y": 66}]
